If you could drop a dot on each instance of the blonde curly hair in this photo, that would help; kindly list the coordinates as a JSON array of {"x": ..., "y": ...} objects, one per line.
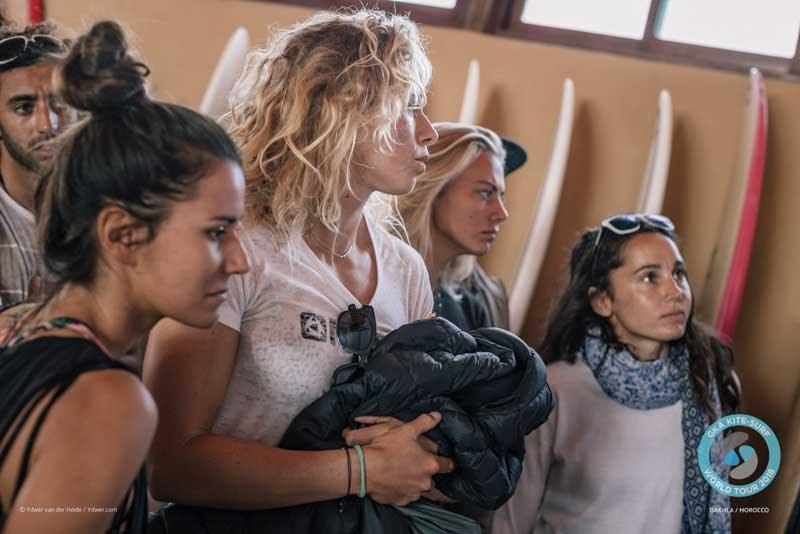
[
  {"x": 305, "y": 99},
  {"x": 458, "y": 146}
]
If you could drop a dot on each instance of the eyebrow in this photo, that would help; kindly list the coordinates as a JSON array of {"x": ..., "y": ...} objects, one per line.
[
  {"x": 490, "y": 184},
  {"x": 678, "y": 263},
  {"x": 230, "y": 219},
  {"x": 648, "y": 266},
  {"x": 21, "y": 98}
]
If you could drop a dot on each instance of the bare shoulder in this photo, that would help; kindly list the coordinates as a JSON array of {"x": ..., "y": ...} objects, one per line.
[
  {"x": 90, "y": 447},
  {"x": 112, "y": 403}
]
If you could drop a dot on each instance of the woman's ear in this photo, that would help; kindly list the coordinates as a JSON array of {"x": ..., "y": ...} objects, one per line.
[
  {"x": 600, "y": 302},
  {"x": 119, "y": 233}
]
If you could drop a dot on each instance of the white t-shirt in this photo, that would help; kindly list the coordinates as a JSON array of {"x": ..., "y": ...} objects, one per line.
[
  {"x": 285, "y": 310},
  {"x": 597, "y": 466}
]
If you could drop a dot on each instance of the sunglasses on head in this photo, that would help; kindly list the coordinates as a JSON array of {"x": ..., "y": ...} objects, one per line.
[
  {"x": 629, "y": 223},
  {"x": 357, "y": 331},
  {"x": 11, "y": 48}
]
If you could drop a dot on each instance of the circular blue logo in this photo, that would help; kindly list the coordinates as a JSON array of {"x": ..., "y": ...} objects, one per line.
[{"x": 742, "y": 459}]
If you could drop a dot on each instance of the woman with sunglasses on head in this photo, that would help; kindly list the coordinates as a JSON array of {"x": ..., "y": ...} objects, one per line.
[
  {"x": 329, "y": 120},
  {"x": 637, "y": 381},
  {"x": 136, "y": 222},
  {"x": 453, "y": 216}
]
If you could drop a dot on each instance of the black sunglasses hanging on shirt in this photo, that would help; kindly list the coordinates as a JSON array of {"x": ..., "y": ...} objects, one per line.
[{"x": 357, "y": 331}]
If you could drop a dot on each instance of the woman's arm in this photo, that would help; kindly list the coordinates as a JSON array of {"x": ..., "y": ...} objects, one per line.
[
  {"x": 90, "y": 448},
  {"x": 188, "y": 371}
]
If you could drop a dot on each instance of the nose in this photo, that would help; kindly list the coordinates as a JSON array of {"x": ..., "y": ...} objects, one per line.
[
  {"x": 47, "y": 119},
  {"x": 236, "y": 261},
  {"x": 500, "y": 213},
  {"x": 677, "y": 290},
  {"x": 425, "y": 132}
]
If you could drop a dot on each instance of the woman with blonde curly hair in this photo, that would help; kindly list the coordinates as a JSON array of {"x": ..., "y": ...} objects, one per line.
[
  {"x": 329, "y": 120},
  {"x": 453, "y": 216}
]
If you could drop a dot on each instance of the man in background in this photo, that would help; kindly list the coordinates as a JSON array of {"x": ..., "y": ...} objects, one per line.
[{"x": 31, "y": 118}]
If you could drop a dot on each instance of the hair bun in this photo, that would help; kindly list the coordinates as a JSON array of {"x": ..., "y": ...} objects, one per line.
[{"x": 99, "y": 75}]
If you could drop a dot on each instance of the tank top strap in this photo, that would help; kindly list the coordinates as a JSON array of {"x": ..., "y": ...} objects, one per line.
[
  {"x": 15, "y": 333},
  {"x": 19, "y": 423},
  {"x": 22, "y": 474}
]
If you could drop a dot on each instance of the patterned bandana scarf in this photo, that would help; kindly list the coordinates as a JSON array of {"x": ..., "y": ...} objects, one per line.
[{"x": 647, "y": 385}]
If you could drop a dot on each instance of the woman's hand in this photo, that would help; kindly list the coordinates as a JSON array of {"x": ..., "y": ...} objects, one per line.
[
  {"x": 379, "y": 425},
  {"x": 399, "y": 468}
]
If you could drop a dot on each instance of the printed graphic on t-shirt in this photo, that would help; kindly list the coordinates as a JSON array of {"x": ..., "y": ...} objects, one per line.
[{"x": 317, "y": 327}]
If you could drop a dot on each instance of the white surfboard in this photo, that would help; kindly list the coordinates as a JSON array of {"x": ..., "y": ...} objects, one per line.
[
  {"x": 469, "y": 104},
  {"x": 546, "y": 207},
  {"x": 654, "y": 182},
  {"x": 229, "y": 66}
]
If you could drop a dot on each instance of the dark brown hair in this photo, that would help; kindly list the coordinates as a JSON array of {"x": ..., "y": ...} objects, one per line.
[
  {"x": 131, "y": 151},
  {"x": 573, "y": 315}
]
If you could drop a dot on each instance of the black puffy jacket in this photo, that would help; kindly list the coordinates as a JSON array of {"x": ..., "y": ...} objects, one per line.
[{"x": 491, "y": 389}]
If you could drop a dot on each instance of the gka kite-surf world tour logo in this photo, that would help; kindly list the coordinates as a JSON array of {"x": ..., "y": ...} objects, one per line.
[{"x": 740, "y": 456}]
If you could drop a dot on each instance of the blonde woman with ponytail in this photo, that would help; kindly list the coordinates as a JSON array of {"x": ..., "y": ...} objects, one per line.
[{"x": 454, "y": 215}]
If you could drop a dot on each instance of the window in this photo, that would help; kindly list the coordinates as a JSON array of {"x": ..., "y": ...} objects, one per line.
[
  {"x": 439, "y": 12},
  {"x": 444, "y": 4},
  {"x": 727, "y": 34},
  {"x": 622, "y": 18},
  {"x": 768, "y": 27}
]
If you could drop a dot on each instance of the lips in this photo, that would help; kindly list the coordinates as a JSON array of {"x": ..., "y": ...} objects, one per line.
[
  {"x": 45, "y": 149},
  {"x": 674, "y": 316}
]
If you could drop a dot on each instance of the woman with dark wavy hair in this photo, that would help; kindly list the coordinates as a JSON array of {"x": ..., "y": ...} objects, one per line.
[{"x": 637, "y": 381}]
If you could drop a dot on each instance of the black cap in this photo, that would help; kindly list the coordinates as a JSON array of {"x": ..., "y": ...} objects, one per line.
[{"x": 515, "y": 156}]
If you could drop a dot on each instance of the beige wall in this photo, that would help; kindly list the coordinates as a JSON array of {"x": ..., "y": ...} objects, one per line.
[{"x": 616, "y": 106}]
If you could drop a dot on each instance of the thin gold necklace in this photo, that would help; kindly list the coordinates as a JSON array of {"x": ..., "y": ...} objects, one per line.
[{"x": 330, "y": 249}]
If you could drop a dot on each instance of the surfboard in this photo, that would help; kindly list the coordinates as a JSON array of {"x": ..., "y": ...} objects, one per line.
[
  {"x": 229, "y": 66},
  {"x": 35, "y": 12},
  {"x": 469, "y": 104},
  {"x": 546, "y": 206},
  {"x": 654, "y": 182},
  {"x": 722, "y": 296}
]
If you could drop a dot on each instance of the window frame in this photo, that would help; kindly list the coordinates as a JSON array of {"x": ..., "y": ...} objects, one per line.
[
  {"x": 455, "y": 16},
  {"x": 507, "y": 22}
]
